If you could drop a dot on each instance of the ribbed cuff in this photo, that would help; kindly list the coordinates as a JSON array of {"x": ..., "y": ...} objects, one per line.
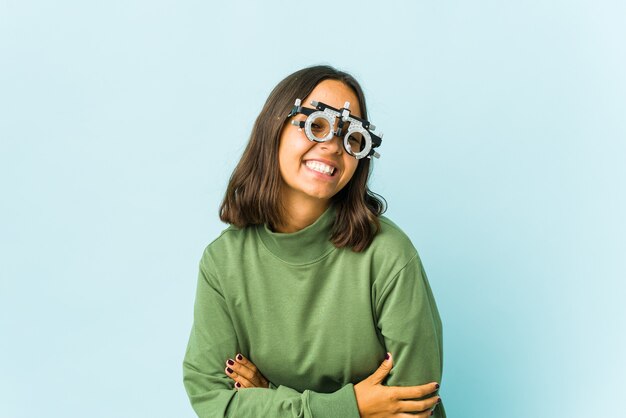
[{"x": 339, "y": 404}]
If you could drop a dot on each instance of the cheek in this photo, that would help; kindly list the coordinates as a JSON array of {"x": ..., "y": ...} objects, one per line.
[
  {"x": 290, "y": 153},
  {"x": 350, "y": 169},
  {"x": 285, "y": 151}
]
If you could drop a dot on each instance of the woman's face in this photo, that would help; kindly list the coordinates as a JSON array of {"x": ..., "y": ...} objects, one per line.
[{"x": 303, "y": 181}]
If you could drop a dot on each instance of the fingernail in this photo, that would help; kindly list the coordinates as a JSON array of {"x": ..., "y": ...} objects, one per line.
[
  {"x": 387, "y": 356},
  {"x": 231, "y": 362},
  {"x": 436, "y": 385},
  {"x": 238, "y": 384},
  {"x": 439, "y": 400},
  {"x": 239, "y": 357},
  {"x": 229, "y": 370},
  {"x": 432, "y": 412}
]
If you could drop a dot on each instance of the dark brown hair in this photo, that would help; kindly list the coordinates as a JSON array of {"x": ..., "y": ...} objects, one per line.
[{"x": 253, "y": 196}]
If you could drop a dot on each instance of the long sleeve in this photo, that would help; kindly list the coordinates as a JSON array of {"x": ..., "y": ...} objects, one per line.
[
  {"x": 411, "y": 327},
  {"x": 211, "y": 392}
]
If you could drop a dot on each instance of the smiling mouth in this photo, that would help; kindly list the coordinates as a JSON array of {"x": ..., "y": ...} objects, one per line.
[{"x": 321, "y": 168}]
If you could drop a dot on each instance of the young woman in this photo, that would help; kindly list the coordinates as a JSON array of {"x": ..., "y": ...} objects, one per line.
[{"x": 310, "y": 288}]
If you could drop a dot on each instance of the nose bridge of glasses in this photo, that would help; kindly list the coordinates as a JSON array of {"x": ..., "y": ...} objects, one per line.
[
  {"x": 341, "y": 122},
  {"x": 336, "y": 126}
]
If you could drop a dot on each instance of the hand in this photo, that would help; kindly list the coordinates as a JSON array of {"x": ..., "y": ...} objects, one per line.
[
  {"x": 378, "y": 401},
  {"x": 245, "y": 374}
]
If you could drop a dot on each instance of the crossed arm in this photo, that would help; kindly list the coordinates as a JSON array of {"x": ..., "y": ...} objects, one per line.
[{"x": 406, "y": 316}]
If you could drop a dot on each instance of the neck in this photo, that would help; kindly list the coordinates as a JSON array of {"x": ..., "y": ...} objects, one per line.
[{"x": 301, "y": 213}]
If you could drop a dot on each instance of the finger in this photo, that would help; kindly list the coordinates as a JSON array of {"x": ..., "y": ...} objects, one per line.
[
  {"x": 245, "y": 382},
  {"x": 242, "y": 383},
  {"x": 383, "y": 370},
  {"x": 257, "y": 379},
  {"x": 412, "y": 392},
  {"x": 231, "y": 375},
  {"x": 239, "y": 369},
  {"x": 241, "y": 359},
  {"x": 421, "y": 406},
  {"x": 425, "y": 414}
]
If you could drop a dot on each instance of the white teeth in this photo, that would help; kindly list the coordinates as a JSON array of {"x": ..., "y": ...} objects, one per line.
[{"x": 322, "y": 168}]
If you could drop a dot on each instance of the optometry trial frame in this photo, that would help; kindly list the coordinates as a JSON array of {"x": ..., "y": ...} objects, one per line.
[{"x": 320, "y": 121}]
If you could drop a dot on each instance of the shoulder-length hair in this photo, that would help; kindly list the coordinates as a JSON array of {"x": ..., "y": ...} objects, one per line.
[{"x": 253, "y": 195}]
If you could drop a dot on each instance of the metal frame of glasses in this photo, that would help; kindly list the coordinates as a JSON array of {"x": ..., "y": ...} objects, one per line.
[{"x": 319, "y": 124}]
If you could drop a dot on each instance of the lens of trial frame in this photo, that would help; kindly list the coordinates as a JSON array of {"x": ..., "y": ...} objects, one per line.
[
  {"x": 355, "y": 142},
  {"x": 320, "y": 128}
]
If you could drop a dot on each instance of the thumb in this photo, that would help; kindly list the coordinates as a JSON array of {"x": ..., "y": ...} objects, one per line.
[{"x": 383, "y": 370}]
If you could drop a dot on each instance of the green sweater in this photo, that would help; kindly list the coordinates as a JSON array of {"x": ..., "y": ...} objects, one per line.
[{"x": 314, "y": 319}]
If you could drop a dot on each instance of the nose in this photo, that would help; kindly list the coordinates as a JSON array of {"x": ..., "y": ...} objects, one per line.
[{"x": 333, "y": 145}]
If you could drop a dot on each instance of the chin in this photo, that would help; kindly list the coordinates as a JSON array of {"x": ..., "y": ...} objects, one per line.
[{"x": 321, "y": 196}]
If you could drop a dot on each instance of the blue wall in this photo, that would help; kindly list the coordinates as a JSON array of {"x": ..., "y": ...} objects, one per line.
[{"x": 503, "y": 159}]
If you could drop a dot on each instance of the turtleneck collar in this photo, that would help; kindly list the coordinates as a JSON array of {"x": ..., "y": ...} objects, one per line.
[{"x": 304, "y": 246}]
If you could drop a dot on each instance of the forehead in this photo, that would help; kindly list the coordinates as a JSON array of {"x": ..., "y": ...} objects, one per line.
[{"x": 334, "y": 93}]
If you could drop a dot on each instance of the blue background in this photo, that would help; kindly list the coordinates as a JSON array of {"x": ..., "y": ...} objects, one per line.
[{"x": 503, "y": 159}]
